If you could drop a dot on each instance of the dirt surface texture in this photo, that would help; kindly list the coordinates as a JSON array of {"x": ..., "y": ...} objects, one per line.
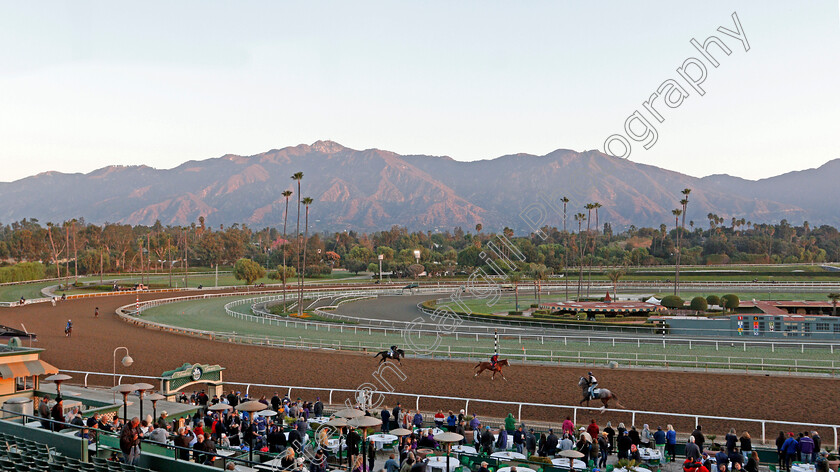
[{"x": 91, "y": 346}]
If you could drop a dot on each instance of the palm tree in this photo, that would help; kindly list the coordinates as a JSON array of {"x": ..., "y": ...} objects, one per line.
[
  {"x": 565, "y": 201},
  {"x": 306, "y": 202},
  {"x": 580, "y": 218},
  {"x": 596, "y": 205},
  {"x": 615, "y": 276},
  {"x": 677, "y": 214},
  {"x": 514, "y": 278},
  {"x": 684, "y": 203},
  {"x": 298, "y": 176},
  {"x": 834, "y": 296},
  {"x": 589, "y": 207},
  {"x": 538, "y": 272},
  {"x": 286, "y": 194}
]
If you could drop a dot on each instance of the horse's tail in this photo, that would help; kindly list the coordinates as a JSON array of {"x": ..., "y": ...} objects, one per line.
[
  {"x": 477, "y": 365},
  {"x": 380, "y": 353}
]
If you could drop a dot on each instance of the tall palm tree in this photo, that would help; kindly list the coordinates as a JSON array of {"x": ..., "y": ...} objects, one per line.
[
  {"x": 565, "y": 201},
  {"x": 538, "y": 272},
  {"x": 615, "y": 276},
  {"x": 597, "y": 205},
  {"x": 286, "y": 194},
  {"x": 514, "y": 278},
  {"x": 306, "y": 202},
  {"x": 834, "y": 296},
  {"x": 298, "y": 176},
  {"x": 677, "y": 214},
  {"x": 580, "y": 218},
  {"x": 589, "y": 207}
]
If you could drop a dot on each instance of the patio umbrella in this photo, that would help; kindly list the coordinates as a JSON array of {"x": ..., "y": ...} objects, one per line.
[
  {"x": 124, "y": 389},
  {"x": 57, "y": 379},
  {"x": 251, "y": 407},
  {"x": 572, "y": 455},
  {"x": 364, "y": 422},
  {"x": 448, "y": 438},
  {"x": 142, "y": 387},
  {"x": 154, "y": 398},
  {"x": 350, "y": 413}
]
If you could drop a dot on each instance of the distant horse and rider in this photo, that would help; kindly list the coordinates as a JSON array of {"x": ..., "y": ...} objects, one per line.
[
  {"x": 495, "y": 366},
  {"x": 587, "y": 386},
  {"x": 394, "y": 354}
]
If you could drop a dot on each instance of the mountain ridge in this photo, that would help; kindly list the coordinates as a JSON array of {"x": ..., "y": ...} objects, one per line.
[{"x": 373, "y": 189}]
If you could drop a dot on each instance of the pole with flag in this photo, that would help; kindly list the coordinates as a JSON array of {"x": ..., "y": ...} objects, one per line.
[{"x": 496, "y": 340}]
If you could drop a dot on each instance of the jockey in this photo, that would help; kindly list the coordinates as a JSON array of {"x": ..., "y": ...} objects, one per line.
[
  {"x": 493, "y": 359},
  {"x": 392, "y": 351},
  {"x": 591, "y": 382}
]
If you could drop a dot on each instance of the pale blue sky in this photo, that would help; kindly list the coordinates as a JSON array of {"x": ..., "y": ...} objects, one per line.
[{"x": 87, "y": 84}]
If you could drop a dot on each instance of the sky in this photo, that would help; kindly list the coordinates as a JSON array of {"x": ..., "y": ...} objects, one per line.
[{"x": 87, "y": 84}]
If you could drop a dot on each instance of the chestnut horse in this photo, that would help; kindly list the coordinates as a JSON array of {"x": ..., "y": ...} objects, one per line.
[{"x": 482, "y": 366}]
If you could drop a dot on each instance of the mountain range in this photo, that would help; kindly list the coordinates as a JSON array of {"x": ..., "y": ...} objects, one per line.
[{"x": 371, "y": 189}]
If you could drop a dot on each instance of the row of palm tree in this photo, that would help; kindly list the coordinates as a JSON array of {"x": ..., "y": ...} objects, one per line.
[
  {"x": 680, "y": 228},
  {"x": 306, "y": 201}
]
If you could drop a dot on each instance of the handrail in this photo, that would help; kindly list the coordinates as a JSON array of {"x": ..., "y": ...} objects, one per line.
[{"x": 575, "y": 408}]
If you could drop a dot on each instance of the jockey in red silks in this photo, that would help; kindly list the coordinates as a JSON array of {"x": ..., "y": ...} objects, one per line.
[{"x": 493, "y": 359}]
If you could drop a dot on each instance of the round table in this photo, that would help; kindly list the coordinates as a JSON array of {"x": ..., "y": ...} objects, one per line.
[
  {"x": 439, "y": 463},
  {"x": 435, "y": 431},
  {"x": 305, "y": 437},
  {"x": 464, "y": 449},
  {"x": 564, "y": 462},
  {"x": 803, "y": 468},
  {"x": 637, "y": 468},
  {"x": 319, "y": 420},
  {"x": 381, "y": 440},
  {"x": 648, "y": 454},
  {"x": 509, "y": 456},
  {"x": 518, "y": 469},
  {"x": 332, "y": 444}
]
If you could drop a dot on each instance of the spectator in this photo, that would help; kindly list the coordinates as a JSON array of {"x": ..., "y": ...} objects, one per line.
[
  {"x": 182, "y": 441},
  {"x": 623, "y": 444},
  {"x": 603, "y": 449},
  {"x": 159, "y": 435},
  {"x": 531, "y": 442},
  {"x": 593, "y": 429},
  {"x": 635, "y": 437},
  {"x": 634, "y": 453},
  {"x": 460, "y": 430},
  {"x": 821, "y": 463},
  {"x": 551, "y": 442},
  {"x": 418, "y": 420},
  {"x": 746, "y": 444},
  {"x": 487, "y": 441},
  {"x": 670, "y": 443},
  {"x": 391, "y": 465},
  {"x": 780, "y": 440},
  {"x": 318, "y": 408},
  {"x": 736, "y": 457},
  {"x": 510, "y": 423},
  {"x": 288, "y": 460},
  {"x": 57, "y": 414},
  {"x": 610, "y": 436},
  {"x": 319, "y": 462},
  {"x": 699, "y": 439},
  {"x": 568, "y": 426},
  {"x": 722, "y": 459},
  {"x": 752, "y": 462},
  {"x": 385, "y": 416},
  {"x": 565, "y": 444},
  {"x": 541, "y": 445},
  {"x": 130, "y": 437},
  {"x": 658, "y": 440},
  {"x": 439, "y": 418},
  {"x": 646, "y": 436},
  {"x": 731, "y": 440},
  {"x": 815, "y": 436},
  {"x": 692, "y": 450},
  {"x": 371, "y": 452},
  {"x": 452, "y": 421},
  {"x": 475, "y": 423},
  {"x": 789, "y": 449},
  {"x": 502, "y": 441},
  {"x": 395, "y": 415},
  {"x": 44, "y": 412},
  {"x": 483, "y": 467},
  {"x": 209, "y": 448},
  {"x": 519, "y": 439},
  {"x": 806, "y": 448}
]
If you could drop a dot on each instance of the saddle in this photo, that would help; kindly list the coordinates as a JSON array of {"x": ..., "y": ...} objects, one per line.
[{"x": 596, "y": 392}]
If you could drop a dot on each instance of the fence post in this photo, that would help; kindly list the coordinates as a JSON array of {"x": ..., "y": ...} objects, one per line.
[
  {"x": 519, "y": 415},
  {"x": 467, "y": 412},
  {"x": 574, "y": 420},
  {"x": 763, "y": 436}
]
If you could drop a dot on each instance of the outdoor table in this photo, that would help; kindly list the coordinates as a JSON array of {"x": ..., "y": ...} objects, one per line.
[
  {"x": 650, "y": 454},
  {"x": 422, "y": 453},
  {"x": 305, "y": 437},
  {"x": 439, "y": 463},
  {"x": 518, "y": 469},
  {"x": 435, "y": 431},
  {"x": 332, "y": 444},
  {"x": 803, "y": 468},
  {"x": 319, "y": 420},
  {"x": 637, "y": 469},
  {"x": 382, "y": 440},
  {"x": 464, "y": 449},
  {"x": 226, "y": 452},
  {"x": 564, "y": 463},
  {"x": 509, "y": 455}
]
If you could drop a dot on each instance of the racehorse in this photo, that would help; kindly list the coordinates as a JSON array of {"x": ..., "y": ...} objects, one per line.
[
  {"x": 388, "y": 355},
  {"x": 598, "y": 394},
  {"x": 482, "y": 366}
]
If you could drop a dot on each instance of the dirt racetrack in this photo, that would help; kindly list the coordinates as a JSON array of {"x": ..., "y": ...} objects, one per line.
[{"x": 746, "y": 396}]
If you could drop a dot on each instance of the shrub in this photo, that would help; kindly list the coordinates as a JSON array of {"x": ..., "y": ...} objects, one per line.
[
  {"x": 731, "y": 301},
  {"x": 672, "y": 301},
  {"x": 515, "y": 313},
  {"x": 713, "y": 300},
  {"x": 534, "y": 305},
  {"x": 699, "y": 304}
]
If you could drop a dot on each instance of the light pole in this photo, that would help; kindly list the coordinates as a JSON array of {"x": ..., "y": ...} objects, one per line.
[
  {"x": 417, "y": 255},
  {"x": 380, "y": 257},
  {"x": 126, "y": 361}
]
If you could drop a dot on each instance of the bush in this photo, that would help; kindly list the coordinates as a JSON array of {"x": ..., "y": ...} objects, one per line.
[
  {"x": 699, "y": 304},
  {"x": 534, "y": 305},
  {"x": 515, "y": 313},
  {"x": 248, "y": 270},
  {"x": 22, "y": 272},
  {"x": 672, "y": 301},
  {"x": 731, "y": 301},
  {"x": 713, "y": 300}
]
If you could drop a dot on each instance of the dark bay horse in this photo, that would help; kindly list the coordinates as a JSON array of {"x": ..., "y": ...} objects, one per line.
[
  {"x": 482, "y": 366},
  {"x": 600, "y": 394},
  {"x": 388, "y": 355}
]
